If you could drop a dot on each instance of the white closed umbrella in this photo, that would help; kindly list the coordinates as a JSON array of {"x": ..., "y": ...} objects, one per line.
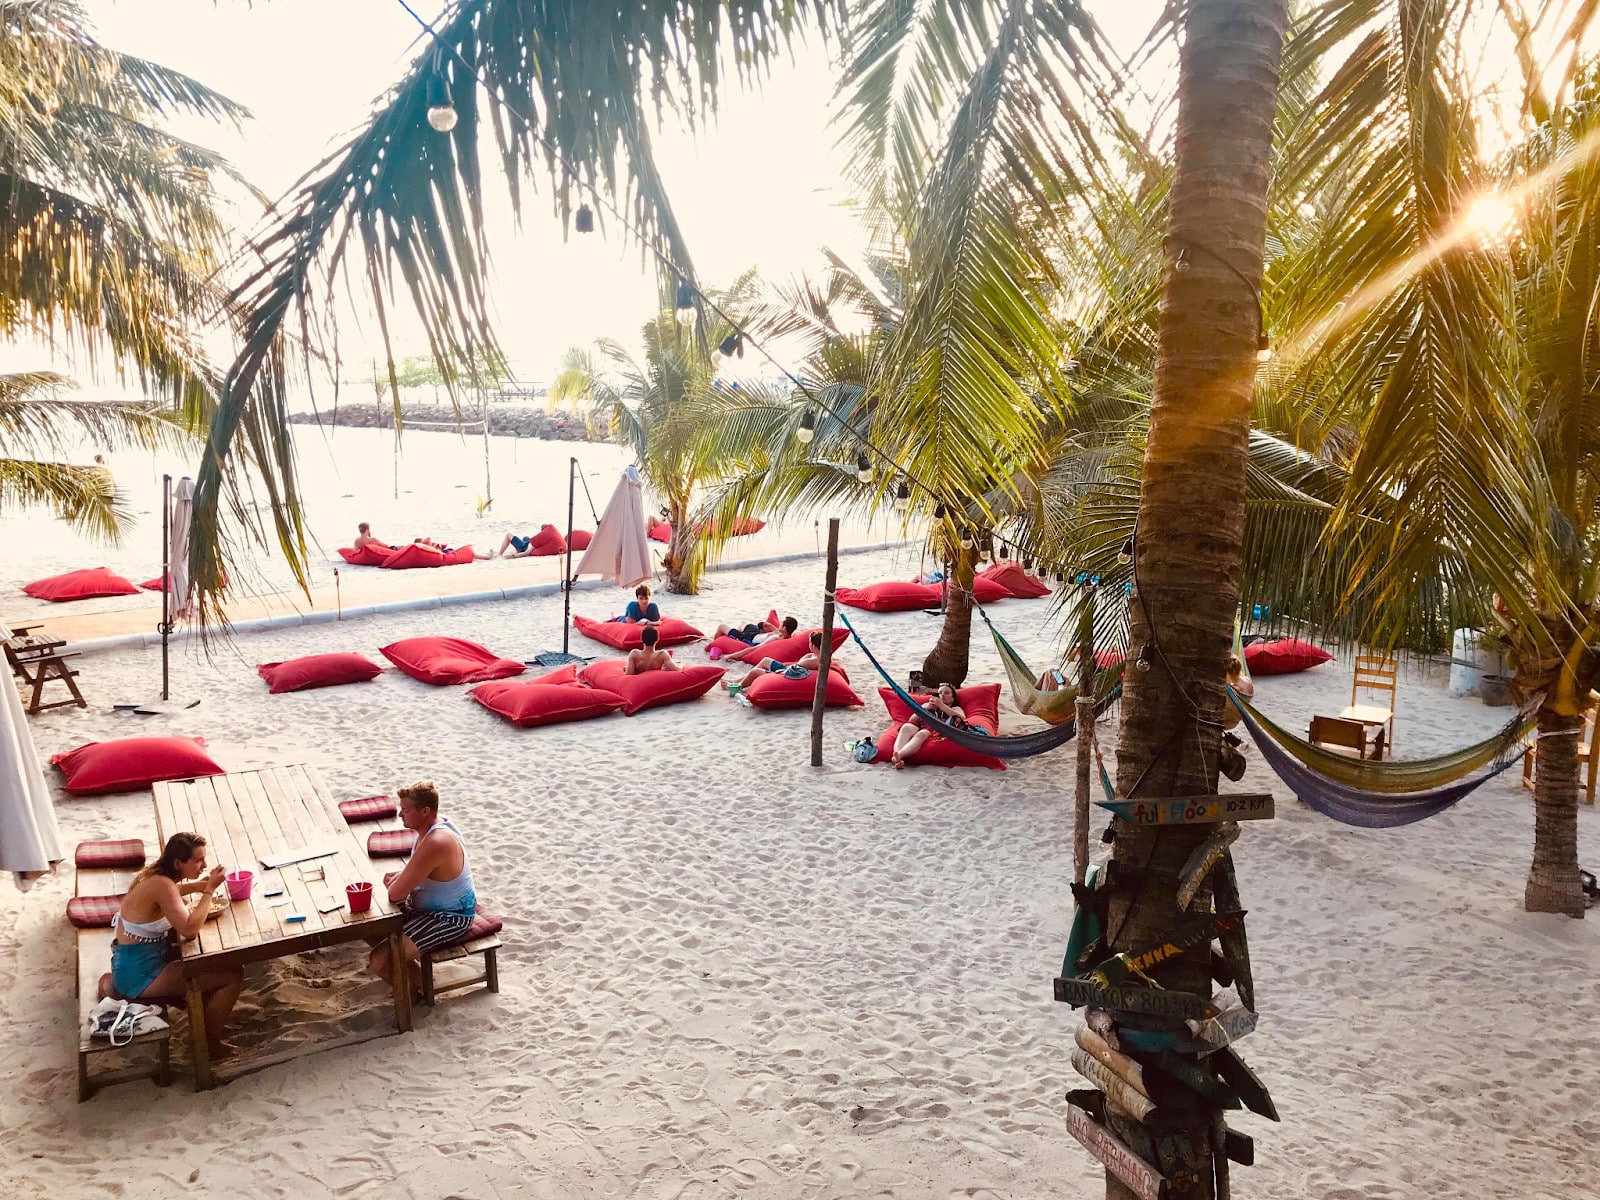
[
  {"x": 178, "y": 547},
  {"x": 620, "y": 549},
  {"x": 30, "y": 842}
]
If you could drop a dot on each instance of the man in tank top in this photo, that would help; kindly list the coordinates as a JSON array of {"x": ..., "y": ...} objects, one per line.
[{"x": 434, "y": 889}]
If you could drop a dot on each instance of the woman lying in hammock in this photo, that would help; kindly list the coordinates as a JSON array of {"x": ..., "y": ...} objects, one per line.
[{"x": 914, "y": 735}]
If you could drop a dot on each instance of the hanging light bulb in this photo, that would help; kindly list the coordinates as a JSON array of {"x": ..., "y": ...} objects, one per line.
[
  {"x": 1264, "y": 347},
  {"x": 1027, "y": 565},
  {"x": 808, "y": 427},
  {"x": 1005, "y": 551},
  {"x": 584, "y": 221},
  {"x": 1182, "y": 262},
  {"x": 685, "y": 304},
  {"x": 902, "y": 496},
  {"x": 1143, "y": 661},
  {"x": 863, "y": 467},
  {"x": 1061, "y": 576},
  {"x": 441, "y": 114},
  {"x": 731, "y": 345},
  {"x": 938, "y": 511},
  {"x": 966, "y": 538},
  {"x": 1125, "y": 555}
]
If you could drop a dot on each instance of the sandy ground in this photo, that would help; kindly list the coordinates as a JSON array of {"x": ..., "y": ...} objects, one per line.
[{"x": 730, "y": 974}]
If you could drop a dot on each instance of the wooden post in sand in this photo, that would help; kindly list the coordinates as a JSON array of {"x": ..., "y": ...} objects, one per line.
[
  {"x": 820, "y": 700},
  {"x": 1084, "y": 717}
]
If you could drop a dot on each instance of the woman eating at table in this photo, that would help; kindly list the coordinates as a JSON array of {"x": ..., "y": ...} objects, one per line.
[{"x": 155, "y": 919}]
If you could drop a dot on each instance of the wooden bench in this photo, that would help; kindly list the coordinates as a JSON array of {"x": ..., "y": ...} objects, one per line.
[
  {"x": 94, "y": 960},
  {"x": 37, "y": 660},
  {"x": 489, "y": 975}
]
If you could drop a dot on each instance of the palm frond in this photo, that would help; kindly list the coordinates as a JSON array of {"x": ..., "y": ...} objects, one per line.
[{"x": 84, "y": 497}]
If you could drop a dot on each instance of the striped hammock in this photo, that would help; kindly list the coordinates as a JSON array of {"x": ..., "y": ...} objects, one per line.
[{"x": 1055, "y": 708}]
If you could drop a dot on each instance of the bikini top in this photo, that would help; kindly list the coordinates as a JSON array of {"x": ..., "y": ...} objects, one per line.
[{"x": 144, "y": 931}]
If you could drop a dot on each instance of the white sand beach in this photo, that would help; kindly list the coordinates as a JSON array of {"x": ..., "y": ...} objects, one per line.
[{"x": 730, "y": 974}]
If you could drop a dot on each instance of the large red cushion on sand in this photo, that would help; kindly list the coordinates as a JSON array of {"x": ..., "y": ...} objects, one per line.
[
  {"x": 159, "y": 583},
  {"x": 986, "y": 590},
  {"x": 454, "y": 558},
  {"x": 784, "y": 650},
  {"x": 366, "y": 556},
  {"x": 980, "y": 702},
  {"x": 82, "y": 585},
  {"x": 128, "y": 764},
  {"x": 1283, "y": 657},
  {"x": 741, "y": 528},
  {"x": 547, "y": 541},
  {"x": 317, "y": 670},
  {"x": 653, "y": 688},
  {"x": 414, "y": 555},
  {"x": 776, "y": 690},
  {"x": 537, "y": 703},
  {"x": 661, "y": 532},
  {"x": 624, "y": 636},
  {"x": 896, "y": 595},
  {"x": 446, "y": 660},
  {"x": 580, "y": 539},
  {"x": 1015, "y": 580}
]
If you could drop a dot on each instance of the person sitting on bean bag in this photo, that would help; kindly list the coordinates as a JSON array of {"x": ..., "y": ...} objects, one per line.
[
  {"x": 364, "y": 539},
  {"x": 641, "y": 609},
  {"x": 915, "y": 734},
  {"x": 803, "y": 665},
  {"x": 443, "y": 549},
  {"x": 648, "y": 657}
]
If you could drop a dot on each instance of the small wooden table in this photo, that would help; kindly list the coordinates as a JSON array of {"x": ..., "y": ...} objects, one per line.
[{"x": 246, "y": 816}]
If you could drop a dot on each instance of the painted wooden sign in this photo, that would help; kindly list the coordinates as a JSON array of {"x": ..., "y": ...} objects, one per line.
[
  {"x": 1113, "y": 1085},
  {"x": 1240, "y": 1147},
  {"x": 1227, "y": 1063},
  {"x": 1192, "y": 810},
  {"x": 1112, "y": 1059},
  {"x": 1235, "y": 942},
  {"x": 1160, "y": 1002},
  {"x": 1197, "y": 1079},
  {"x": 1138, "y": 1176},
  {"x": 1191, "y": 935},
  {"x": 1227, "y": 1027},
  {"x": 1206, "y": 855}
]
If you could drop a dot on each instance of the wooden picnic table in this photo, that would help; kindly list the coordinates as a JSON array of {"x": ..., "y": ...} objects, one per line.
[{"x": 249, "y": 816}]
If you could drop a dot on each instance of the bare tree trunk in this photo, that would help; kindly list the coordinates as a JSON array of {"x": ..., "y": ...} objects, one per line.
[
  {"x": 1189, "y": 545},
  {"x": 949, "y": 659},
  {"x": 1553, "y": 884},
  {"x": 680, "y": 545}
]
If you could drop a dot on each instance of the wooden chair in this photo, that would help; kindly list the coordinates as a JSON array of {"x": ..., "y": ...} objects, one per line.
[
  {"x": 1374, "y": 680},
  {"x": 1344, "y": 736},
  {"x": 1587, "y": 759},
  {"x": 36, "y": 659}
]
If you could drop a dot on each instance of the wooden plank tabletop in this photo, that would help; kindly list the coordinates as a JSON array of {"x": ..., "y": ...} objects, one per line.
[{"x": 247, "y": 815}]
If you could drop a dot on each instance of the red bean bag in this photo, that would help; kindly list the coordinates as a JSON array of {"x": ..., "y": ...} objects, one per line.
[
  {"x": 547, "y": 541},
  {"x": 414, "y": 555},
  {"x": 896, "y": 595},
  {"x": 566, "y": 674},
  {"x": 784, "y": 650},
  {"x": 661, "y": 532},
  {"x": 317, "y": 670},
  {"x": 653, "y": 688},
  {"x": 458, "y": 556},
  {"x": 366, "y": 556},
  {"x": 128, "y": 764},
  {"x": 538, "y": 703},
  {"x": 624, "y": 636},
  {"x": 81, "y": 585},
  {"x": 158, "y": 584},
  {"x": 776, "y": 690},
  {"x": 580, "y": 539},
  {"x": 1106, "y": 659},
  {"x": 1283, "y": 657},
  {"x": 989, "y": 591},
  {"x": 743, "y": 527},
  {"x": 981, "y": 703},
  {"x": 1015, "y": 580},
  {"x": 442, "y": 661}
]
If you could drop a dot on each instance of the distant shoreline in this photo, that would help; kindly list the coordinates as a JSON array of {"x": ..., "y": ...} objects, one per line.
[{"x": 505, "y": 420}]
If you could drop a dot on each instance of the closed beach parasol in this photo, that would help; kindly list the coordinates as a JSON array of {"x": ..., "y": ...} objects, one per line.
[
  {"x": 30, "y": 843},
  {"x": 620, "y": 549}
]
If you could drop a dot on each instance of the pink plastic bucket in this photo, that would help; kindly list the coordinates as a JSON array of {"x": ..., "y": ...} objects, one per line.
[{"x": 240, "y": 883}]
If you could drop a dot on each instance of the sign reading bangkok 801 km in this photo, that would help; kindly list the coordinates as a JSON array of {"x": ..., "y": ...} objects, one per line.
[{"x": 1192, "y": 810}]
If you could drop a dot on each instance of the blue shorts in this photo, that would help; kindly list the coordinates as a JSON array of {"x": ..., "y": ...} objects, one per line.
[
  {"x": 135, "y": 965},
  {"x": 520, "y": 545}
]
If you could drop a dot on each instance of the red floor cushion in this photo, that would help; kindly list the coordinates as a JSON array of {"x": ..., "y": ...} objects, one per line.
[
  {"x": 317, "y": 670},
  {"x": 366, "y": 556},
  {"x": 391, "y": 843},
  {"x": 128, "y": 764},
  {"x": 986, "y": 590},
  {"x": 1106, "y": 659},
  {"x": 624, "y": 636},
  {"x": 980, "y": 702},
  {"x": 457, "y": 556},
  {"x": 580, "y": 539},
  {"x": 653, "y": 688},
  {"x": 368, "y": 808},
  {"x": 784, "y": 650},
  {"x": 414, "y": 555},
  {"x": 776, "y": 690},
  {"x": 743, "y": 527},
  {"x": 1283, "y": 657},
  {"x": 547, "y": 541},
  {"x": 443, "y": 661},
  {"x": 534, "y": 702},
  {"x": 1015, "y": 580},
  {"x": 158, "y": 584},
  {"x": 566, "y": 674},
  {"x": 81, "y": 585},
  {"x": 661, "y": 532},
  {"x": 93, "y": 912},
  {"x": 895, "y": 595},
  {"x": 109, "y": 855}
]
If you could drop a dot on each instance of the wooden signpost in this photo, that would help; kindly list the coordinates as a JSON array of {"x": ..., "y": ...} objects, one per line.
[
  {"x": 1138, "y": 1176},
  {"x": 1191, "y": 935},
  {"x": 1156, "y": 1002},
  {"x": 1235, "y": 942},
  {"x": 1192, "y": 810},
  {"x": 1118, "y": 1090},
  {"x": 1244, "y": 1082},
  {"x": 1206, "y": 855},
  {"x": 1227, "y": 1027}
]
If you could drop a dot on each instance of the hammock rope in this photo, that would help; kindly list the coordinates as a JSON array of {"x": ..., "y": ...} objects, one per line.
[{"x": 1022, "y": 745}]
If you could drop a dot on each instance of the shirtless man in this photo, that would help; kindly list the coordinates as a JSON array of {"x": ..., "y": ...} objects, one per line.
[
  {"x": 364, "y": 538},
  {"x": 648, "y": 657},
  {"x": 808, "y": 662},
  {"x": 434, "y": 888}
]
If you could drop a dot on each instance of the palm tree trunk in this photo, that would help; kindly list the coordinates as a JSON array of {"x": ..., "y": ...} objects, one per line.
[
  {"x": 679, "y": 546},
  {"x": 949, "y": 659},
  {"x": 1553, "y": 884},
  {"x": 1189, "y": 545}
]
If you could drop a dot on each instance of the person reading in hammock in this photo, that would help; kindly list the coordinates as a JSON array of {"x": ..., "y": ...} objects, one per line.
[
  {"x": 1241, "y": 684},
  {"x": 916, "y": 733}
]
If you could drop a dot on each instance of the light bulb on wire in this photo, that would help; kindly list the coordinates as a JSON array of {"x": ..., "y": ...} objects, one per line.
[
  {"x": 1264, "y": 347},
  {"x": 864, "y": 468},
  {"x": 808, "y": 428},
  {"x": 441, "y": 113},
  {"x": 684, "y": 303},
  {"x": 902, "y": 497}
]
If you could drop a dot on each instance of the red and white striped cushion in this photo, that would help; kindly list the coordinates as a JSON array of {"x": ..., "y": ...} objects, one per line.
[
  {"x": 110, "y": 854},
  {"x": 391, "y": 843},
  {"x": 369, "y": 808},
  {"x": 93, "y": 912}
]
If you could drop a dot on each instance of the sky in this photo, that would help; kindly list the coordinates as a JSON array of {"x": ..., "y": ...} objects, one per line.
[{"x": 763, "y": 188}]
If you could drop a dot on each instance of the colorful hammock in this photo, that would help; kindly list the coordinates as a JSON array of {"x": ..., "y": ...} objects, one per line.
[
  {"x": 1022, "y": 745},
  {"x": 1355, "y": 805},
  {"x": 1054, "y": 707},
  {"x": 1389, "y": 776}
]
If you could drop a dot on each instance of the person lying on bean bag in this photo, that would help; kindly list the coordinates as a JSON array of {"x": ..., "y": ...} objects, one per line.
[
  {"x": 757, "y": 633},
  {"x": 807, "y": 663},
  {"x": 443, "y": 549},
  {"x": 641, "y": 609}
]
